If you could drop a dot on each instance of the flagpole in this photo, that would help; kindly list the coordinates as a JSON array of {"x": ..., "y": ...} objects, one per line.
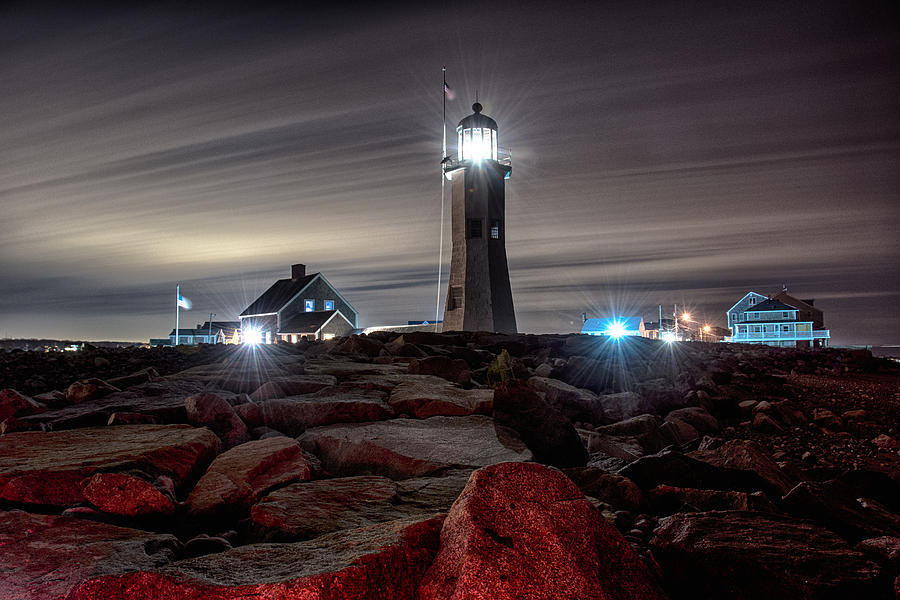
[
  {"x": 437, "y": 304},
  {"x": 177, "y": 296}
]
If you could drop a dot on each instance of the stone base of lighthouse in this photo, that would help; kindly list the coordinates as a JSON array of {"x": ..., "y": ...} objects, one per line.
[{"x": 479, "y": 296}]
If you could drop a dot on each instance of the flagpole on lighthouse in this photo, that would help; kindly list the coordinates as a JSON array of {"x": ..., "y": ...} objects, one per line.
[
  {"x": 437, "y": 303},
  {"x": 177, "y": 306}
]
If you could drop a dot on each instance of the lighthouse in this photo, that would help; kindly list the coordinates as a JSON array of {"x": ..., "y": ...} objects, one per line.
[{"x": 479, "y": 297}]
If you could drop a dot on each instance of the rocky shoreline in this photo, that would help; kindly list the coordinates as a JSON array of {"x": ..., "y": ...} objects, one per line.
[{"x": 448, "y": 466}]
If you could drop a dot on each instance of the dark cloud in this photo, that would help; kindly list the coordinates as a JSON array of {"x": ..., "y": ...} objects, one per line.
[{"x": 661, "y": 155}]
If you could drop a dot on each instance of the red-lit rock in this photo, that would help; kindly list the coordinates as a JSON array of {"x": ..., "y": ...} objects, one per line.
[
  {"x": 14, "y": 404},
  {"x": 237, "y": 478},
  {"x": 47, "y": 468},
  {"x": 123, "y": 494},
  {"x": 46, "y": 556},
  {"x": 522, "y": 531},
  {"x": 381, "y": 562},
  {"x": 402, "y": 448},
  {"x": 213, "y": 411},
  {"x": 306, "y": 510},
  {"x": 746, "y": 555},
  {"x": 434, "y": 396}
]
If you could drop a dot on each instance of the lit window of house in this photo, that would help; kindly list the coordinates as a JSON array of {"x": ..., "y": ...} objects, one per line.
[
  {"x": 309, "y": 305},
  {"x": 495, "y": 230},
  {"x": 329, "y": 305}
]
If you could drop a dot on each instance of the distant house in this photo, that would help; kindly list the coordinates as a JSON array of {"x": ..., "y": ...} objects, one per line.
[
  {"x": 304, "y": 306},
  {"x": 652, "y": 331},
  {"x": 222, "y": 332},
  {"x": 219, "y": 332},
  {"x": 756, "y": 319},
  {"x": 614, "y": 326}
]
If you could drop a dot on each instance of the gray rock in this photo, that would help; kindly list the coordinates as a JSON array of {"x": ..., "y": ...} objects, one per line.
[{"x": 402, "y": 448}]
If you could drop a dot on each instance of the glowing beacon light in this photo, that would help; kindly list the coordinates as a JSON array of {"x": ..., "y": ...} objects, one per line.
[
  {"x": 477, "y": 136},
  {"x": 616, "y": 330},
  {"x": 252, "y": 336}
]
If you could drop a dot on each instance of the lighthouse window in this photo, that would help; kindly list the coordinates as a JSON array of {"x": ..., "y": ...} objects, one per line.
[
  {"x": 495, "y": 230},
  {"x": 474, "y": 228},
  {"x": 467, "y": 144},
  {"x": 493, "y": 144}
]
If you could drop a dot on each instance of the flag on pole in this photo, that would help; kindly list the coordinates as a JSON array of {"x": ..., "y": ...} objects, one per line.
[
  {"x": 448, "y": 92},
  {"x": 184, "y": 302}
]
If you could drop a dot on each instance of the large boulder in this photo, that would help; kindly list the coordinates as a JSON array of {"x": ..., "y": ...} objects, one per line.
[
  {"x": 840, "y": 508},
  {"x": 522, "y": 531},
  {"x": 667, "y": 499},
  {"x": 88, "y": 389},
  {"x": 295, "y": 415},
  {"x": 454, "y": 370},
  {"x": 747, "y": 555},
  {"x": 549, "y": 435},
  {"x": 127, "y": 495},
  {"x": 161, "y": 399},
  {"x": 614, "y": 489},
  {"x": 307, "y": 510},
  {"x": 14, "y": 404},
  {"x": 292, "y": 386},
  {"x": 644, "y": 429},
  {"x": 239, "y": 477},
  {"x": 47, "y": 556},
  {"x": 213, "y": 411},
  {"x": 402, "y": 448},
  {"x": 575, "y": 403},
  {"x": 47, "y": 468},
  {"x": 678, "y": 470},
  {"x": 747, "y": 455},
  {"x": 433, "y": 396},
  {"x": 381, "y": 562}
]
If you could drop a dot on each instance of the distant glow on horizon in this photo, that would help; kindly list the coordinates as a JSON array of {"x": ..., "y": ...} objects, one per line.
[{"x": 669, "y": 337}]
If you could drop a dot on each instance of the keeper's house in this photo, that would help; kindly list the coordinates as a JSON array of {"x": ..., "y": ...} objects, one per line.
[
  {"x": 756, "y": 319},
  {"x": 304, "y": 306}
]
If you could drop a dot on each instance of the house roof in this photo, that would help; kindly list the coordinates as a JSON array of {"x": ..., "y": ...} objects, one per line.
[
  {"x": 279, "y": 294},
  {"x": 307, "y": 322},
  {"x": 227, "y": 327},
  {"x": 797, "y": 302},
  {"x": 742, "y": 299},
  {"x": 601, "y": 325},
  {"x": 769, "y": 305},
  {"x": 191, "y": 331}
]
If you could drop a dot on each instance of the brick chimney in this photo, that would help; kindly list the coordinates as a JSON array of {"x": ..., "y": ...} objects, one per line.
[{"x": 298, "y": 271}]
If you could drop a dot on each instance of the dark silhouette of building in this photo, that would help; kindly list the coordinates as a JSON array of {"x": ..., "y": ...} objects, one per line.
[{"x": 479, "y": 297}]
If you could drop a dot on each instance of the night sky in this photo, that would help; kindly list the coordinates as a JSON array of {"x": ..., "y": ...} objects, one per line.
[{"x": 660, "y": 155}]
